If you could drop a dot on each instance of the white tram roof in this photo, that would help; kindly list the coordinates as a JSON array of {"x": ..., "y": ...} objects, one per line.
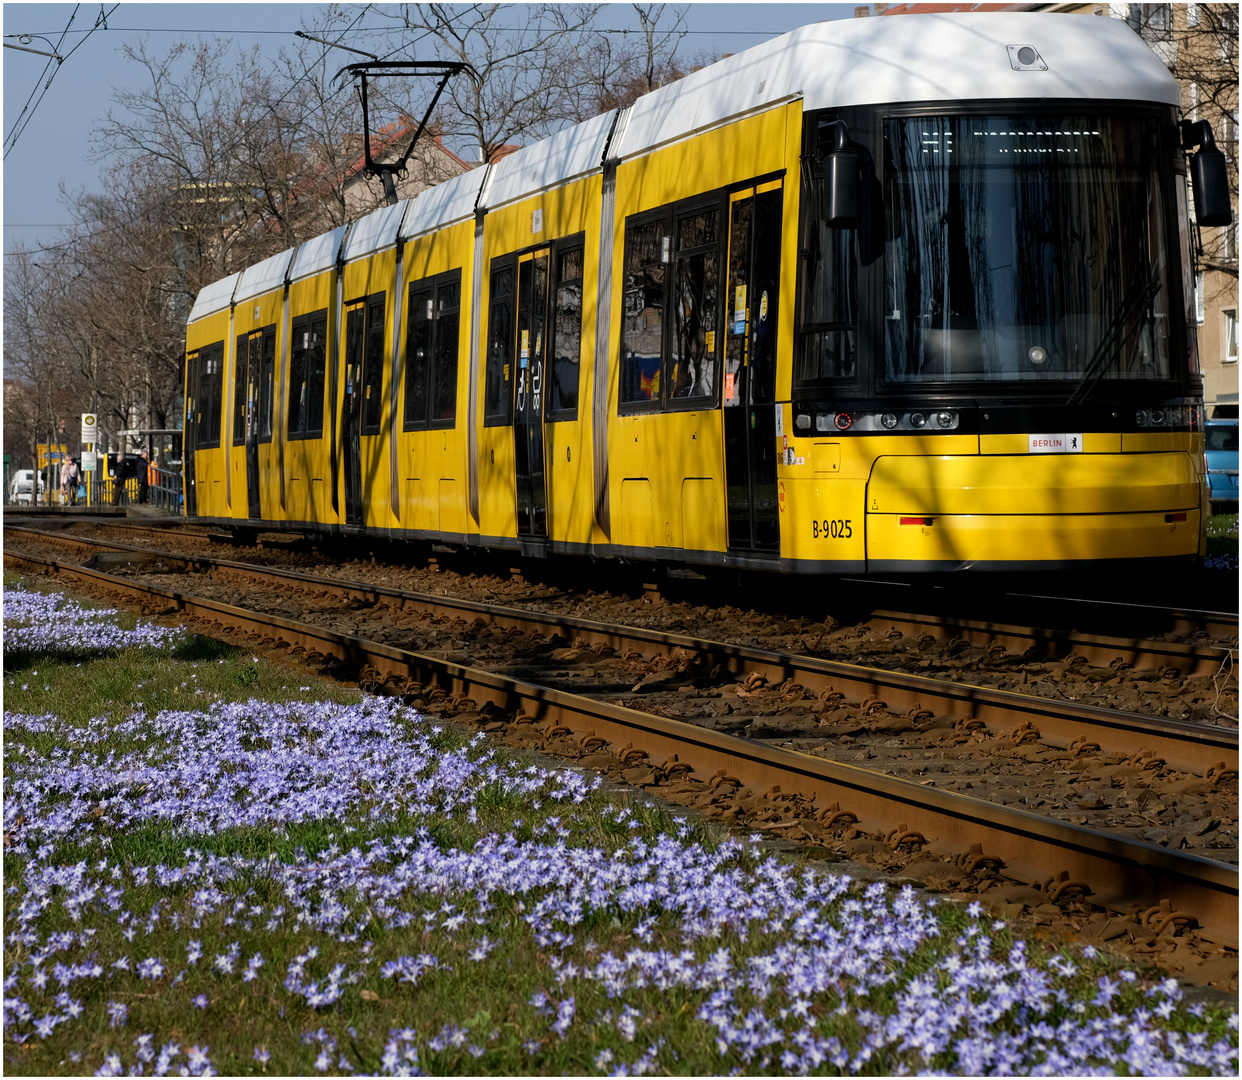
[
  {"x": 214, "y": 297},
  {"x": 263, "y": 277},
  {"x": 444, "y": 204},
  {"x": 572, "y": 152},
  {"x": 317, "y": 254},
  {"x": 899, "y": 58},
  {"x": 376, "y": 231}
]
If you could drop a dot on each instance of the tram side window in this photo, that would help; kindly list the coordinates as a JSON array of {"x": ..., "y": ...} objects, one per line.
[
  {"x": 642, "y": 327},
  {"x": 431, "y": 351},
  {"x": 692, "y": 363},
  {"x": 672, "y": 265},
  {"x": 241, "y": 376},
  {"x": 253, "y": 382},
  {"x": 498, "y": 395},
  {"x": 267, "y": 384},
  {"x": 567, "y": 335},
  {"x": 306, "y": 376},
  {"x": 827, "y": 346},
  {"x": 373, "y": 367},
  {"x": 210, "y": 392}
]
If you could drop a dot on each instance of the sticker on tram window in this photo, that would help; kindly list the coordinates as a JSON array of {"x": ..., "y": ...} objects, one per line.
[
  {"x": 832, "y": 528},
  {"x": 709, "y": 341},
  {"x": 730, "y": 380}
]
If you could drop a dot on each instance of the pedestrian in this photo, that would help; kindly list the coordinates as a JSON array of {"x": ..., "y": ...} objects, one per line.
[
  {"x": 121, "y": 473},
  {"x": 69, "y": 483},
  {"x": 144, "y": 475}
]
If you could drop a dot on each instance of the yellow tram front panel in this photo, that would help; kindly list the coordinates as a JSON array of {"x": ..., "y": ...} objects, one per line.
[
  {"x": 432, "y": 460},
  {"x": 308, "y": 460},
  {"x": 366, "y": 280},
  {"x": 533, "y": 227},
  {"x": 256, "y": 320},
  {"x": 1030, "y": 508}
]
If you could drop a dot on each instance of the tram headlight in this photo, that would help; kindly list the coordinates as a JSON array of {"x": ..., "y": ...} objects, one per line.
[
  {"x": 1142, "y": 418},
  {"x": 802, "y": 421},
  {"x": 946, "y": 419},
  {"x": 918, "y": 420},
  {"x": 1037, "y": 354},
  {"x": 823, "y": 421},
  {"x": 889, "y": 420},
  {"x": 1157, "y": 417}
]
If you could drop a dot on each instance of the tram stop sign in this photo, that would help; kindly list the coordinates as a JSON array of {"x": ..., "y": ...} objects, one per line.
[{"x": 90, "y": 428}]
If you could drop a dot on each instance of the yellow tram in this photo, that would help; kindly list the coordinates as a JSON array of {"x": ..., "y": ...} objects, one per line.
[{"x": 842, "y": 303}]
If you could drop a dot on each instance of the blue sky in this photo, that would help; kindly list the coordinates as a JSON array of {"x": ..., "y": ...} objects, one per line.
[{"x": 55, "y": 144}]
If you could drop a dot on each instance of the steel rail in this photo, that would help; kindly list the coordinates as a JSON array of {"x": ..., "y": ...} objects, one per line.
[
  {"x": 1187, "y": 746},
  {"x": 1122, "y": 874}
]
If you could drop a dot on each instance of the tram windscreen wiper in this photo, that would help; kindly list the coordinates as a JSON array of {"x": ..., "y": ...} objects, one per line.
[{"x": 1115, "y": 336}]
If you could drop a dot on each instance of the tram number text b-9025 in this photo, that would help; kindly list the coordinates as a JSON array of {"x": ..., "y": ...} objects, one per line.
[{"x": 836, "y": 528}]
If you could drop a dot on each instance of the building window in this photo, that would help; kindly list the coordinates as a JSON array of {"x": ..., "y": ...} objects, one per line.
[
  {"x": 431, "y": 348},
  {"x": 1231, "y": 336},
  {"x": 307, "y": 370}
]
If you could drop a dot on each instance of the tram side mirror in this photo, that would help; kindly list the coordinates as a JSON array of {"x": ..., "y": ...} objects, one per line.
[
  {"x": 1209, "y": 176},
  {"x": 842, "y": 182}
]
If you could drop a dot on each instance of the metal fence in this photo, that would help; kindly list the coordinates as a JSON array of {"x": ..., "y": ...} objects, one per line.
[{"x": 164, "y": 492}]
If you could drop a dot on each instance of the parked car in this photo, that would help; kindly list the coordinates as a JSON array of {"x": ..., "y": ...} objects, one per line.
[
  {"x": 1220, "y": 442},
  {"x": 22, "y": 486}
]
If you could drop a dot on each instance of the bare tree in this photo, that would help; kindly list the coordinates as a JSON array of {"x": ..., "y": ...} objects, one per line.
[
  {"x": 522, "y": 80},
  {"x": 1199, "y": 44}
]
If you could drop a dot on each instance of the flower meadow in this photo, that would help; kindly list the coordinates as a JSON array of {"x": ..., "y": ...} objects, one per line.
[{"x": 200, "y": 879}]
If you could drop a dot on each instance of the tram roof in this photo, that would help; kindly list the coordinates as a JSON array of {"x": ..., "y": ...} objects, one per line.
[
  {"x": 915, "y": 58},
  {"x": 263, "y": 277},
  {"x": 444, "y": 204},
  {"x": 214, "y": 297}
]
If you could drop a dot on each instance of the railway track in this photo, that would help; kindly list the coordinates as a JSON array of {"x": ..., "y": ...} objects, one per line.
[
  {"x": 1193, "y": 747},
  {"x": 779, "y": 788}
]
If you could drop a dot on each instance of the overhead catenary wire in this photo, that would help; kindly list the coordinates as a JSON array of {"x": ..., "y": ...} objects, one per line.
[
  {"x": 66, "y": 245},
  {"x": 27, "y": 110}
]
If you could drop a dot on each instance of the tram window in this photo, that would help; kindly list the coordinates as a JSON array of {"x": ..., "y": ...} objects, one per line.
[
  {"x": 498, "y": 394},
  {"x": 692, "y": 358},
  {"x": 373, "y": 368},
  {"x": 567, "y": 335},
  {"x": 417, "y": 355},
  {"x": 209, "y": 391},
  {"x": 642, "y": 326},
  {"x": 1028, "y": 247},
  {"x": 241, "y": 370},
  {"x": 306, "y": 376},
  {"x": 267, "y": 384},
  {"x": 444, "y": 371},
  {"x": 431, "y": 352},
  {"x": 829, "y": 273}
]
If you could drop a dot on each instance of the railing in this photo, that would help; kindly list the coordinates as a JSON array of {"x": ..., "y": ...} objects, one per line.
[{"x": 164, "y": 492}]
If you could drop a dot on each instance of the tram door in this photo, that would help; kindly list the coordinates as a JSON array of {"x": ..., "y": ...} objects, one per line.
[
  {"x": 246, "y": 420},
  {"x": 351, "y": 434},
  {"x": 753, "y": 304},
  {"x": 530, "y": 390},
  {"x": 193, "y": 406}
]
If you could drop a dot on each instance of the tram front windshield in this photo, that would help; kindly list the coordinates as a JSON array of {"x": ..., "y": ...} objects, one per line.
[{"x": 1024, "y": 248}]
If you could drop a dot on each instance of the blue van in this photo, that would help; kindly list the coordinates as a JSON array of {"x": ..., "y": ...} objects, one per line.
[{"x": 1220, "y": 443}]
